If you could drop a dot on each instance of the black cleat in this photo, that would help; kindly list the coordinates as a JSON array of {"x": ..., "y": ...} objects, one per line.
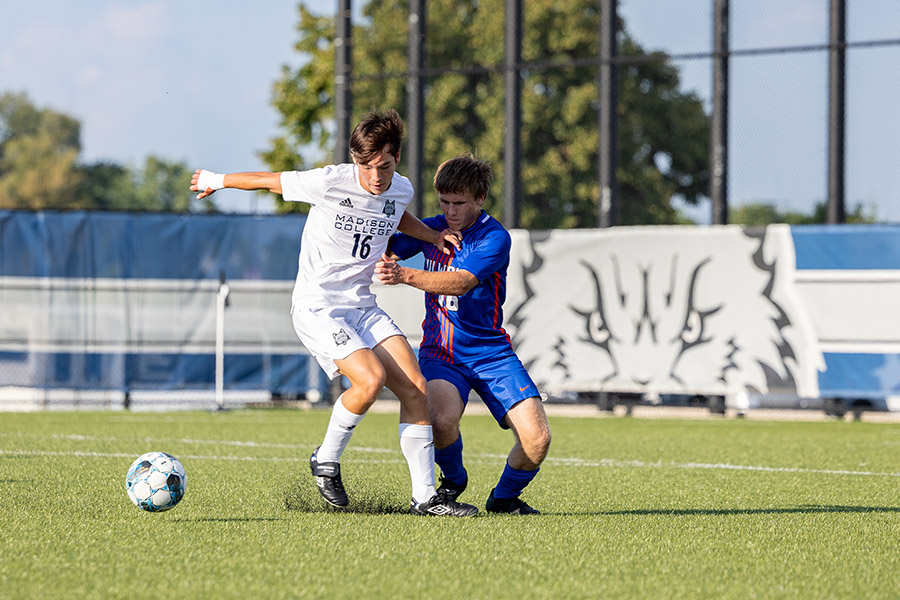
[
  {"x": 440, "y": 505},
  {"x": 451, "y": 490},
  {"x": 509, "y": 506},
  {"x": 328, "y": 479}
]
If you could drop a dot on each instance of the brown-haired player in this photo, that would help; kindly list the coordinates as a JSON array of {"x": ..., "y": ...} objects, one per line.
[
  {"x": 464, "y": 346},
  {"x": 354, "y": 210}
]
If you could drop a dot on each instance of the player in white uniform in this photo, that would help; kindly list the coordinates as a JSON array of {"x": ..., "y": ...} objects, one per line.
[{"x": 354, "y": 210}]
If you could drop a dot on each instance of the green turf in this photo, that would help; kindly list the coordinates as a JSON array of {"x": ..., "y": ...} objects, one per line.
[{"x": 631, "y": 508}]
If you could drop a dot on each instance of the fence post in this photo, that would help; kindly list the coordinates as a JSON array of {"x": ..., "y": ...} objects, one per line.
[
  {"x": 718, "y": 168},
  {"x": 342, "y": 70},
  {"x": 512, "y": 184},
  {"x": 415, "y": 100},
  {"x": 607, "y": 205},
  {"x": 836, "y": 87},
  {"x": 221, "y": 304}
]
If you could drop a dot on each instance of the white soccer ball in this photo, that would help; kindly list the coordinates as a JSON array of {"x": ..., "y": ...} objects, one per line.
[{"x": 156, "y": 481}]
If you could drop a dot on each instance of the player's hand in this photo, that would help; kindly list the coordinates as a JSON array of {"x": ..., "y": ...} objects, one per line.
[
  {"x": 449, "y": 237},
  {"x": 388, "y": 271},
  {"x": 195, "y": 178}
]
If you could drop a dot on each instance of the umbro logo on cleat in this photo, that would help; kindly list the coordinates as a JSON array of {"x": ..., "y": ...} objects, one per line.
[
  {"x": 346, "y": 203},
  {"x": 438, "y": 509}
]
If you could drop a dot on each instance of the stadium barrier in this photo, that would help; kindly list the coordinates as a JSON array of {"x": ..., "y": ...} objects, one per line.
[
  {"x": 776, "y": 317},
  {"x": 114, "y": 308},
  {"x": 780, "y": 316},
  {"x": 120, "y": 310}
]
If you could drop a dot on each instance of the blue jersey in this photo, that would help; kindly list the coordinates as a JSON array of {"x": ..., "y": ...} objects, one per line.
[{"x": 465, "y": 329}]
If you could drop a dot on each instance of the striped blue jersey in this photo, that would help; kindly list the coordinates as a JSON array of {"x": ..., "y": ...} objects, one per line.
[{"x": 469, "y": 328}]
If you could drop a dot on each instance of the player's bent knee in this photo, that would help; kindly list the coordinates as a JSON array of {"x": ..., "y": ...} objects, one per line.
[
  {"x": 445, "y": 425},
  {"x": 411, "y": 391},
  {"x": 538, "y": 445},
  {"x": 370, "y": 386}
]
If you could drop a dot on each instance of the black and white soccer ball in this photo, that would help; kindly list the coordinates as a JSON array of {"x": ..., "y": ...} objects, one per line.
[{"x": 156, "y": 481}]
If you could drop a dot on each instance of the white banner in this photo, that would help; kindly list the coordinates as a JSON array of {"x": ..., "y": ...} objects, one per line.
[{"x": 661, "y": 310}]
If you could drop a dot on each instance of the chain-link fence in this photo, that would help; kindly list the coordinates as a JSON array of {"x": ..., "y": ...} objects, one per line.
[{"x": 778, "y": 107}]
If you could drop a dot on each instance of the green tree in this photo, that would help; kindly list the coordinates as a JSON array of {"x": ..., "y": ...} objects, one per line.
[
  {"x": 163, "y": 186},
  {"x": 765, "y": 213},
  {"x": 158, "y": 186},
  {"x": 663, "y": 132},
  {"x": 109, "y": 186},
  {"x": 39, "y": 169},
  {"x": 38, "y": 153}
]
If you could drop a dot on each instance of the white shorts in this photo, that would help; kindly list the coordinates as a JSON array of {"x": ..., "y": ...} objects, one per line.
[{"x": 331, "y": 334}]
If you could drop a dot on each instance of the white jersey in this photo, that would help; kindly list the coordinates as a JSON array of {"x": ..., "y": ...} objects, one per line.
[{"x": 345, "y": 234}]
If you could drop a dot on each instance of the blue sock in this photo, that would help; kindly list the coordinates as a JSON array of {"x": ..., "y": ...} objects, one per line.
[
  {"x": 450, "y": 461},
  {"x": 513, "y": 481}
]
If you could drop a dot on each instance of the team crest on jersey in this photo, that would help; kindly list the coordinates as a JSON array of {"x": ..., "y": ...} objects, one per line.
[
  {"x": 389, "y": 208},
  {"x": 341, "y": 337}
]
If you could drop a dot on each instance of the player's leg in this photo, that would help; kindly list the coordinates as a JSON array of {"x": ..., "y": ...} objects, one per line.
[
  {"x": 404, "y": 378},
  {"x": 416, "y": 436},
  {"x": 446, "y": 408},
  {"x": 366, "y": 375},
  {"x": 528, "y": 421},
  {"x": 514, "y": 401},
  {"x": 331, "y": 336},
  {"x": 447, "y": 389}
]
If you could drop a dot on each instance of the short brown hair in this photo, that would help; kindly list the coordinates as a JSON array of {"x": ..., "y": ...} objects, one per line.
[
  {"x": 377, "y": 129},
  {"x": 463, "y": 174}
]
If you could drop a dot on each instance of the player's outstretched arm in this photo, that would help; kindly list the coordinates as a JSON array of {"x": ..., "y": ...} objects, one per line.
[
  {"x": 450, "y": 283},
  {"x": 207, "y": 182},
  {"x": 413, "y": 227}
]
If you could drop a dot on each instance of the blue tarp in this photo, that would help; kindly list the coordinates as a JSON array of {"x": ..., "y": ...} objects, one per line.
[{"x": 95, "y": 247}]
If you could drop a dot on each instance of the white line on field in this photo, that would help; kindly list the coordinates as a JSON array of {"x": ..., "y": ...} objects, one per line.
[
  {"x": 80, "y": 453},
  {"x": 562, "y": 461},
  {"x": 77, "y": 437}
]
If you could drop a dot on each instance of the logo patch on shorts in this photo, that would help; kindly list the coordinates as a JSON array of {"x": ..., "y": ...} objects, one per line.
[{"x": 341, "y": 337}]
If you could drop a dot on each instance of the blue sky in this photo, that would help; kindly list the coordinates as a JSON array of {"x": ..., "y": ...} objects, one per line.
[{"x": 192, "y": 81}]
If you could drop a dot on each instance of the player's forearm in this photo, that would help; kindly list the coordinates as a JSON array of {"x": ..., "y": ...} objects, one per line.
[
  {"x": 413, "y": 227},
  {"x": 258, "y": 180},
  {"x": 449, "y": 283}
]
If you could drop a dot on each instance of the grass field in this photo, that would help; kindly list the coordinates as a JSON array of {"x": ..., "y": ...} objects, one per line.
[{"x": 631, "y": 508}]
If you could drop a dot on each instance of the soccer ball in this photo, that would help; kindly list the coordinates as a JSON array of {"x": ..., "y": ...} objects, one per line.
[{"x": 156, "y": 481}]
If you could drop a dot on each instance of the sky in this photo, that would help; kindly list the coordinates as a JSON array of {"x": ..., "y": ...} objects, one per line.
[{"x": 192, "y": 81}]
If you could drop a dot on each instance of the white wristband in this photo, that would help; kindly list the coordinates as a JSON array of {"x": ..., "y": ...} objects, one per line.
[{"x": 209, "y": 180}]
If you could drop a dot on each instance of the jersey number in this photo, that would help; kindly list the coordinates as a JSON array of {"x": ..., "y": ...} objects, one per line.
[
  {"x": 362, "y": 244},
  {"x": 451, "y": 303}
]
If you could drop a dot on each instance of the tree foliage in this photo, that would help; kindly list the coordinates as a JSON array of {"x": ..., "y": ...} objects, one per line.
[
  {"x": 38, "y": 152},
  {"x": 39, "y": 169},
  {"x": 765, "y": 213},
  {"x": 662, "y": 131}
]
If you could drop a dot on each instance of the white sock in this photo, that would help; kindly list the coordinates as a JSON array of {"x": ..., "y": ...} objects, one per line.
[
  {"x": 339, "y": 432},
  {"x": 417, "y": 444}
]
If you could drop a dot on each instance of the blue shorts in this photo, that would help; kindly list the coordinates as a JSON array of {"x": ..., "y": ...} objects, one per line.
[{"x": 501, "y": 384}]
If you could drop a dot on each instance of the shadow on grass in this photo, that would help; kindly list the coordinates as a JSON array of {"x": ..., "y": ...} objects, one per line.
[
  {"x": 303, "y": 496},
  {"x": 804, "y": 509},
  {"x": 230, "y": 520}
]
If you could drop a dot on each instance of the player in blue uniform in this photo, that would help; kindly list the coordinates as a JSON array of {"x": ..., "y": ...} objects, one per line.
[{"x": 464, "y": 346}]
